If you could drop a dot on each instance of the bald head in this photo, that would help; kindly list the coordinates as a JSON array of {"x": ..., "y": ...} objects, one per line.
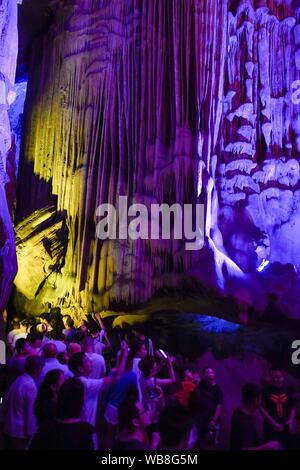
[
  {"x": 73, "y": 348},
  {"x": 50, "y": 350}
]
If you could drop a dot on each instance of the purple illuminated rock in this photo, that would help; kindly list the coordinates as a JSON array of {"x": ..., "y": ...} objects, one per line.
[{"x": 8, "y": 60}]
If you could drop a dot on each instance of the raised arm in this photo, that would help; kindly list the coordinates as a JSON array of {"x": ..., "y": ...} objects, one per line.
[
  {"x": 102, "y": 326},
  {"x": 171, "y": 379},
  {"x": 120, "y": 368}
]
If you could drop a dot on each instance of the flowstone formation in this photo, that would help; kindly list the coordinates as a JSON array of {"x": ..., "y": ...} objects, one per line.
[
  {"x": 163, "y": 101},
  {"x": 8, "y": 61},
  {"x": 259, "y": 171}
]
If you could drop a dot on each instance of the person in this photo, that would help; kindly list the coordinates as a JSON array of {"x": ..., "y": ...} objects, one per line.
[
  {"x": 69, "y": 330},
  {"x": 100, "y": 339},
  {"x": 67, "y": 431},
  {"x": 133, "y": 419},
  {"x": 51, "y": 362},
  {"x": 57, "y": 338},
  {"x": 176, "y": 429},
  {"x": 278, "y": 407},
  {"x": 206, "y": 401},
  {"x": 63, "y": 358},
  {"x": 188, "y": 384},
  {"x": 99, "y": 334},
  {"x": 18, "y": 331},
  {"x": 151, "y": 386},
  {"x": 98, "y": 362},
  {"x": 45, "y": 328},
  {"x": 81, "y": 366},
  {"x": 45, "y": 402},
  {"x": 35, "y": 341},
  {"x": 82, "y": 331},
  {"x": 138, "y": 351},
  {"x": 139, "y": 331},
  {"x": 244, "y": 431},
  {"x": 17, "y": 418},
  {"x": 73, "y": 348},
  {"x": 113, "y": 398},
  {"x": 16, "y": 364},
  {"x": 288, "y": 442}
]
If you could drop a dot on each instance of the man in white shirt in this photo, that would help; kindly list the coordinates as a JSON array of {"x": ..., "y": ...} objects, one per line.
[
  {"x": 50, "y": 352},
  {"x": 17, "y": 419},
  {"x": 18, "y": 331},
  {"x": 98, "y": 362},
  {"x": 81, "y": 366}
]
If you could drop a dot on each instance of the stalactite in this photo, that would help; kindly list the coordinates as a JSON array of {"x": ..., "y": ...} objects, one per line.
[{"x": 162, "y": 101}]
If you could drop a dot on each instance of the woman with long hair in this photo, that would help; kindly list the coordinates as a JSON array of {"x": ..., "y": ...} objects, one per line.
[
  {"x": 67, "y": 431},
  {"x": 45, "y": 403}
]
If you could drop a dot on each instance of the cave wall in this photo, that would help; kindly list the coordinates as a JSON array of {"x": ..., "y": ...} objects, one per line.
[
  {"x": 162, "y": 101},
  {"x": 8, "y": 61},
  {"x": 259, "y": 166},
  {"x": 258, "y": 176}
]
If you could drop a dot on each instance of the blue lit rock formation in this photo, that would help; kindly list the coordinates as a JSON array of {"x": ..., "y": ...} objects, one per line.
[{"x": 8, "y": 61}]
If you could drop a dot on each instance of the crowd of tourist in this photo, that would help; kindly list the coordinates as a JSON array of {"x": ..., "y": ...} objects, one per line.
[{"x": 70, "y": 388}]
